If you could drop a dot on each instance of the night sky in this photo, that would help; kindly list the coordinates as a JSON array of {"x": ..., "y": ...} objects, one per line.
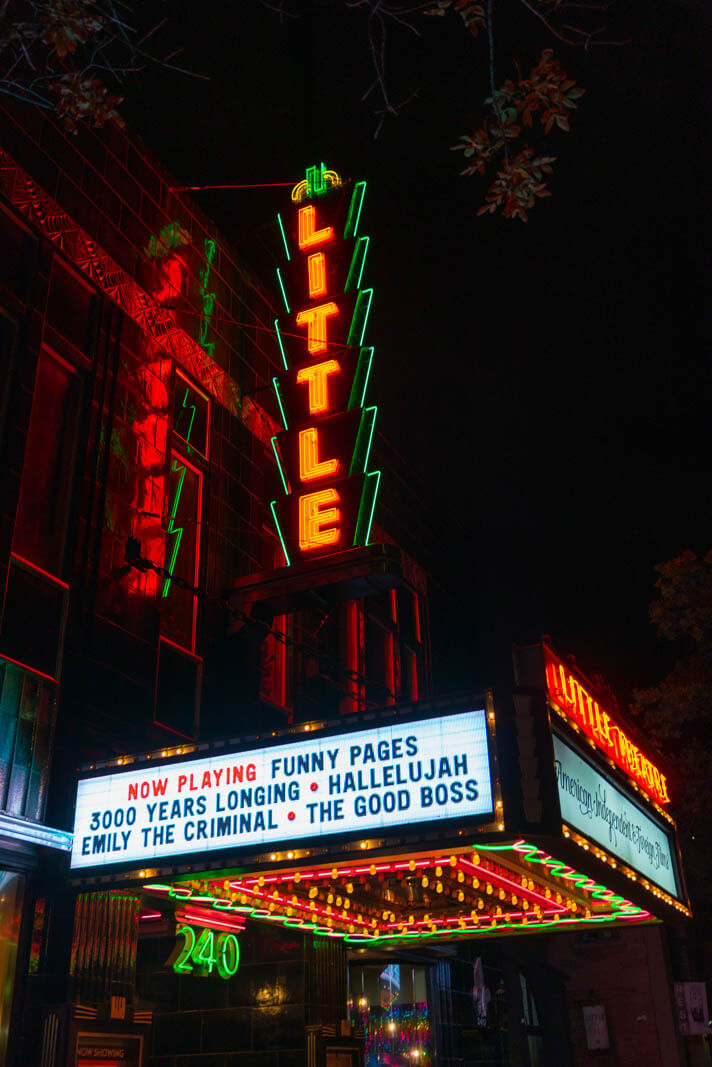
[{"x": 548, "y": 383}]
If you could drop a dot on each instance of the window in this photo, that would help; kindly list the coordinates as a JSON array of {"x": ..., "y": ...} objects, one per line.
[
  {"x": 178, "y": 684},
  {"x": 389, "y": 1002},
  {"x": 27, "y": 717},
  {"x": 45, "y": 491},
  {"x": 34, "y": 613},
  {"x": 191, "y": 416},
  {"x": 379, "y": 649},
  {"x": 180, "y": 602},
  {"x": 535, "y": 1038},
  {"x": 184, "y": 505},
  {"x": 11, "y": 894},
  {"x": 69, "y": 307}
]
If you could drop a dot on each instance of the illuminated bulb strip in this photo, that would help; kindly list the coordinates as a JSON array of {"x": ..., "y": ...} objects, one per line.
[
  {"x": 617, "y": 865},
  {"x": 533, "y": 854},
  {"x": 269, "y": 903}
]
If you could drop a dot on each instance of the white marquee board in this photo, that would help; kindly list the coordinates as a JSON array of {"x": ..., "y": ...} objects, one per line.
[{"x": 362, "y": 782}]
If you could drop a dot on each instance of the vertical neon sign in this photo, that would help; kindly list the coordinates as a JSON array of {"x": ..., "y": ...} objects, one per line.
[{"x": 323, "y": 451}]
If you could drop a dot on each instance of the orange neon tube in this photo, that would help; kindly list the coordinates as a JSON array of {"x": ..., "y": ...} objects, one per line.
[
  {"x": 310, "y": 468},
  {"x": 315, "y": 321},
  {"x": 316, "y": 265},
  {"x": 318, "y": 523},
  {"x": 309, "y": 236},
  {"x": 317, "y": 377}
]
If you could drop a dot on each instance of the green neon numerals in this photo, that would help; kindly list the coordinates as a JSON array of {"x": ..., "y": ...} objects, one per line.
[
  {"x": 205, "y": 952},
  {"x": 228, "y": 955},
  {"x": 183, "y": 953}
]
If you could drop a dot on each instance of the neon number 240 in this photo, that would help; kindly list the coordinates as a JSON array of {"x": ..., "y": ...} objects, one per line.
[{"x": 206, "y": 951}]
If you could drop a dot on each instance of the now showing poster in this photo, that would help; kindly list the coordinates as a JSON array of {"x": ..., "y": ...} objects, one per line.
[
  {"x": 361, "y": 782},
  {"x": 604, "y": 813}
]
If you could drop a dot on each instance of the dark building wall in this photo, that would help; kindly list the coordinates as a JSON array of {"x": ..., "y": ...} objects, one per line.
[
  {"x": 626, "y": 971},
  {"x": 256, "y": 1017},
  {"x": 125, "y": 294}
]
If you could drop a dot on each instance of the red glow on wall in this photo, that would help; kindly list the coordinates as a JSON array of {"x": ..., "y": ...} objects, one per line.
[
  {"x": 318, "y": 520},
  {"x": 148, "y": 504},
  {"x": 573, "y": 698}
]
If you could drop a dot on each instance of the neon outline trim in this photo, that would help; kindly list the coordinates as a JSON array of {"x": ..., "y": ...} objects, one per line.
[
  {"x": 351, "y": 227},
  {"x": 329, "y": 178},
  {"x": 186, "y": 438},
  {"x": 208, "y": 298},
  {"x": 359, "y": 257},
  {"x": 287, "y": 560},
  {"x": 281, "y": 345},
  {"x": 363, "y": 371},
  {"x": 311, "y": 468},
  {"x": 552, "y": 913},
  {"x": 316, "y": 180},
  {"x": 362, "y": 310},
  {"x": 177, "y": 531},
  {"x": 275, "y": 386},
  {"x": 284, "y": 292},
  {"x": 316, "y": 269},
  {"x": 358, "y": 540},
  {"x": 275, "y": 449},
  {"x": 312, "y": 518},
  {"x": 359, "y": 465},
  {"x": 284, "y": 238}
]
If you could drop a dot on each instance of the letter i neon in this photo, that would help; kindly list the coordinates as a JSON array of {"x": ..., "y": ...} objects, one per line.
[{"x": 316, "y": 264}]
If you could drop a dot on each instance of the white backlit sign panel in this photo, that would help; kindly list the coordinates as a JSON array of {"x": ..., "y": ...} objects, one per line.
[
  {"x": 593, "y": 805},
  {"x": 360, "y": 783}
]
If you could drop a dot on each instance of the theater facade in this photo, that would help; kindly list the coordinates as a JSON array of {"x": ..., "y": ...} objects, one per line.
[{"x": 239, "y": 823}]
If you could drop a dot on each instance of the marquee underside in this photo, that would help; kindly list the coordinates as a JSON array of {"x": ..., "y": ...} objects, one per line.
[{"x": 435, "y": 895}]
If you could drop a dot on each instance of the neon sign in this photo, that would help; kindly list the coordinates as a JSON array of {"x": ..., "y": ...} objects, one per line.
[
  {"x": 202, "y": 951},
  {"x": 576, "y": 702},
  {"x": 323, "y": 452}
]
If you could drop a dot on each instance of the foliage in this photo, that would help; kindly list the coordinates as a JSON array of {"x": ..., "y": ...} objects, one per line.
[
  {"x": 60, "y": 55},
  {"x": 471, "y": 13},
  {"x": 81, "y": 98},
  {"x": 678, "y": 711},
  {"x": 547, "y": 94}
]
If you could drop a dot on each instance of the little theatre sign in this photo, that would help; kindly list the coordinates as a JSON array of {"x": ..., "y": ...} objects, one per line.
[{"x": 323, "y": 451}]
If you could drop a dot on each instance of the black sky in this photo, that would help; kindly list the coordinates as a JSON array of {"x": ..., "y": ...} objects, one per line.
[{"x": 548, "y": 383}]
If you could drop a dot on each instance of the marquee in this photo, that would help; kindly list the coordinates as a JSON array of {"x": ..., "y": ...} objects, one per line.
[{"x": 355, "y": 783}]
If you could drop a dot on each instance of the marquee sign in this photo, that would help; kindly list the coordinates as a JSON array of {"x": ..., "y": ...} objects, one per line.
[
  {"x": 380, "y": 779},
  {"x": 592, "y": 804},
  {"x": 567, "y": 692},
  {"x": 323, "y": 452}
]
